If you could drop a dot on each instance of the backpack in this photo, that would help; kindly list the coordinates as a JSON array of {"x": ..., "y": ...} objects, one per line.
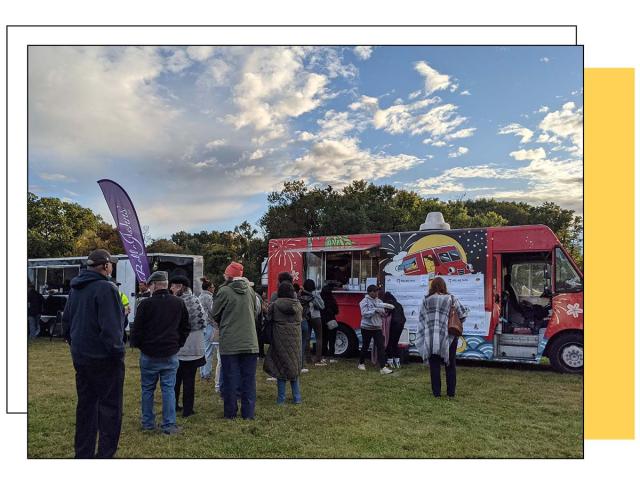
[{"x": 306, "y": 311}]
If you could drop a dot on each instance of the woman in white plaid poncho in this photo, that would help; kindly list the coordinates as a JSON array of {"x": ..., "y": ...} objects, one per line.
[{"x": 432, "y": 338}]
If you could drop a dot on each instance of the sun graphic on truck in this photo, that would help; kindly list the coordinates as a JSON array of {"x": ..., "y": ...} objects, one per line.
[{"x": 438, "y": 255}]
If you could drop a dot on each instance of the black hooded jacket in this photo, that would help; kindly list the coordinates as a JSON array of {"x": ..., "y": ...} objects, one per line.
[{"x": 93, "y": 319}]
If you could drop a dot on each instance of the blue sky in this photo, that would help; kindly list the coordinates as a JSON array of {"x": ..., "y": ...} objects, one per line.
[{"x": 199, "y": 135}]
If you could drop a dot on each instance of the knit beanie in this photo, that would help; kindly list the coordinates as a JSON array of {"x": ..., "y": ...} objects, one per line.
[{"x": 234, "y": 269}]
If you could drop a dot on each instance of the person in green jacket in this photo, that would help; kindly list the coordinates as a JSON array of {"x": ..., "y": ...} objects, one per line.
[{"x": 234, "y": 310}]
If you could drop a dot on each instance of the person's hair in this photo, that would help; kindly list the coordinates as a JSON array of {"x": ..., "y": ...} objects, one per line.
[
  {"x": 161, "y": 285},
  {"x": 285, "y": 277},
  {"x": 309, "y": 285},
  {"x": 438, "y": 285},
  {"x": 389, "y": 298},
  {"x": 206, "y": 283},
  {"x": 259, "y": 289},
  {"x": 285, "y": 290},
  {"x": 296, "y": 287}
]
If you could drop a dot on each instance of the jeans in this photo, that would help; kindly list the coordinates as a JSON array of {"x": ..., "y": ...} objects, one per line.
[
  {"x": 305, "y": 340},
  {"x": 99, "y": 385},
  {"x": 209, "y": 350},
  {"x": 450, "y": 371},
  {"x": 34, "y": 325},
  {"x": 164, "y": 369},
  {"x": 378, "y": 339},
  {"x": 295, "y": 390},
  {"x": 239, "y": 377}
]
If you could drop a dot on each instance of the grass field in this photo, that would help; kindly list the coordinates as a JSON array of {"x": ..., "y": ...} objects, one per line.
[{"x": 346, "y": 413}]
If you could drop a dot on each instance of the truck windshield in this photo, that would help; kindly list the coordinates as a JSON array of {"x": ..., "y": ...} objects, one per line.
[
  {"x": 444, "y": 257},
  {"x": 455, "y": 256},
  {"x": 567, "y": 279}
]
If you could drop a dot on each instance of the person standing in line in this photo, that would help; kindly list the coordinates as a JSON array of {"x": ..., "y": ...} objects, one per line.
[
  {"x": 143, "y": 292},
  {"x": 160, "y": 329},
  {"x": 396, "y": 326},
  {"x": 210, "y": 338},
  {"x": 234, "y": 311},
  {"x": 433, "y": 340},
  {"x": 312, "y": 305},
  {"x": 93, "y": 326},
  {"x": 191, "y": 355},
  {"x": 35, "y": 305},
  {"x": 328, "y": 315},
  {"x": 283, "y": 360},
  {"x": 282, "y": 277},
  {"x": 372, "y": 309}
]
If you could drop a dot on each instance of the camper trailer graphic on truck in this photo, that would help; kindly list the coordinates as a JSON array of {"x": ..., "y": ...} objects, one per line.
[{"x": 445, "y": 260}]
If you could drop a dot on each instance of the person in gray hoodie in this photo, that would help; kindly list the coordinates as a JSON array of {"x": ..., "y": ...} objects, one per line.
[
  {"x": 93, "y": 321},
  {"x": 312, "y": 305},
  {"x": 191, "y": 355},
  {"x": 372, "y": 309}
]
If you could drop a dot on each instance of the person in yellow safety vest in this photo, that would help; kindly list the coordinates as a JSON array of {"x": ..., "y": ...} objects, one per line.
[
  {"x": 125, "y": 306},
  {"x": 125, "y": 303}
]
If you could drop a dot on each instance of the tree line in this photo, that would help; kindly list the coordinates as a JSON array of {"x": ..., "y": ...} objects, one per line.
[{"x": 56, "y": 228}]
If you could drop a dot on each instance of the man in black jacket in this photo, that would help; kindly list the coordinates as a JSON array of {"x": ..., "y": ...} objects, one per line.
[
  {"x": 159, "y": 331},
  {"x": 93, "y": 326}
]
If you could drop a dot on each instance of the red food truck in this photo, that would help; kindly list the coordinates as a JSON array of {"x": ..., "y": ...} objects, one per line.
[{"x": 524, "y": 292}]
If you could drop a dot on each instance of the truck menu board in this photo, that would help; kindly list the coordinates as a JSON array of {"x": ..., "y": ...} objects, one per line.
[{"x": 410, "y": 291}]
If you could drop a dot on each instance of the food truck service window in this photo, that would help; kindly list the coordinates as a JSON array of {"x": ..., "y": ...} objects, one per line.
[{"x": 338, "y": 267}]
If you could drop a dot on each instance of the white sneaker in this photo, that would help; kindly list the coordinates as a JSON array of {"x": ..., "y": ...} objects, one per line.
[
  {"x": 333, "y": 360},
  {"x": 320, "y": 364},
  {"x": 361, "y": 366},
  {"x": 385, "y": 371},
  {"x": 271, "y": 379},
  {"x": 304, "y": 370}
]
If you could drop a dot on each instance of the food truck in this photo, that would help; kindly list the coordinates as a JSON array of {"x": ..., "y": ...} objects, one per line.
[
  {"x": 52, "y": 277},
  {"x": 524, "y": 291}
]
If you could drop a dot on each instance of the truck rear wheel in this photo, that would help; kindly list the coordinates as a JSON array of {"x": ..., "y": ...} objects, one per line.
[
  {"x": 566, "y": 353},
  {"x": 346, "y": 341}
]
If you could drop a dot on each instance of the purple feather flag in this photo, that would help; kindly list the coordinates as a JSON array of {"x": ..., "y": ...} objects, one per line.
[{"x": 128, "y": 226}]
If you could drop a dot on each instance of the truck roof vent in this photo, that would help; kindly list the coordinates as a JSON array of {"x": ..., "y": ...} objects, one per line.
[{"x": 435, "y": 221}]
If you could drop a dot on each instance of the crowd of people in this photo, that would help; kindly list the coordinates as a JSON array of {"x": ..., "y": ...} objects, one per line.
[{"x": 178, "y": 333}]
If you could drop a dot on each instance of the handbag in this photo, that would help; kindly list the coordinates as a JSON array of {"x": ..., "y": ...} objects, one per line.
[
  {"x": 332, "y": 324},
  {"x": 455, "y": 325}
]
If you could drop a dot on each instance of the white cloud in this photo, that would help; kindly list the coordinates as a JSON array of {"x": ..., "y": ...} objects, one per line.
[
  {"x": 533, "y": 154},
  {"x": 306, "y": 136},
  {"x": 565, "y": 124},
  {"x": 415, "y": 94},
  {"x": 210, "y": 162},
  {"x": 433, "y": 80},
  {"x": 465, "y": 92},
  {"x": 362, "y": 52},
  {"x": 54, "y": 177},
  {"x": 215, "y": 144},
  {"x": 178, "y": 61},
  {"x": 544, "y": 59},
  {"x": 463, "y": 133},
  {"x": 454, "y": 87},
  {"x": 338, "y": 162},
  {"x": 334, "y": 125},
  {"x": 543, "y": 109},
  {"x": 518, "y": 130},
  {"x": 459, "y": 152},
  {"x": 200, "y": 53}
]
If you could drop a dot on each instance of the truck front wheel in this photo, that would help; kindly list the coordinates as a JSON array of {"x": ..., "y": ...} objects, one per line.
[
  {"x": 566, "y": 353},
  {"x": 346, "y": 341}
]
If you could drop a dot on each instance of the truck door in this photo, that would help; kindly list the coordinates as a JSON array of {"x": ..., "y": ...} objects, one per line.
[{"x": 496, "y": 293}]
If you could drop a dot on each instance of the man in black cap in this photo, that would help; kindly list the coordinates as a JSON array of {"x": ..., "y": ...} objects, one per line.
[
  {"x": 160, "y": 329},
  {"x": 93, "y": 324}
]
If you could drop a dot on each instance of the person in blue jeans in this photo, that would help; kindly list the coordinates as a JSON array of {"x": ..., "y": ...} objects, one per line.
[
  {"x": 234, "y": 309},
  {"x": 153, "y": 369},
  {"x": 160, "y": 330},
  {"x": 283, "y": 360}
]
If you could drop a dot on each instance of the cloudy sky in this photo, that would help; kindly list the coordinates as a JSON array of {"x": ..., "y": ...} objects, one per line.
[{"x": 199, "y": 135}]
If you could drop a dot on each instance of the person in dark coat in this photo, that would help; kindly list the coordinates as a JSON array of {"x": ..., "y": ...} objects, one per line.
[
  {"x": 160, "y": 331},
  {"x": 329, "y": 313},
  {"x": 284, "y": 360},
  {"x": 93, "y": 325},
  {"x": 35, "y": 306},
  {"x": 395, "y": 329}
]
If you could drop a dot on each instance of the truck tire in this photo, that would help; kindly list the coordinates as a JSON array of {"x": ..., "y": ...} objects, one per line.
[
  {"x": 346, "y": 341},
  {"x": 566, "y": 353}
]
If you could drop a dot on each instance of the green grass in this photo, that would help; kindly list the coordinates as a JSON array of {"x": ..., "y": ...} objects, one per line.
[{"x": 346, "y": 413}]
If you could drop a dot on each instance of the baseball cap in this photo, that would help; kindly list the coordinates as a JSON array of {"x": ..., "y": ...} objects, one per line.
[{"x": 99, "y": 257}]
